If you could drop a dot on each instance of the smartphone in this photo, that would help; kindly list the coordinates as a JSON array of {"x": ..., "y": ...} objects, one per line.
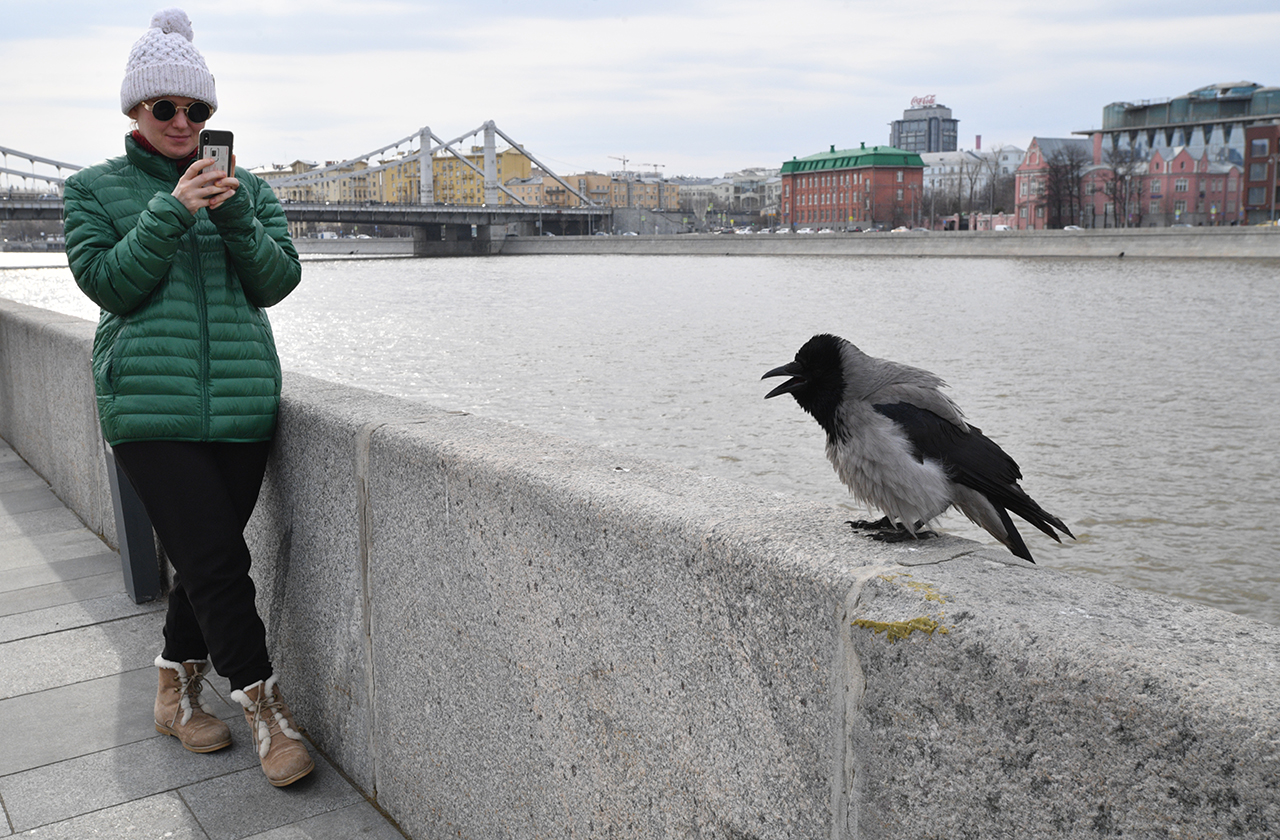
[{"x": 217, "y": 145}]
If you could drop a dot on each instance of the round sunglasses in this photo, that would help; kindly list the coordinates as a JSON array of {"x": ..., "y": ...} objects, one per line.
[{"x": 165, "y": 110}]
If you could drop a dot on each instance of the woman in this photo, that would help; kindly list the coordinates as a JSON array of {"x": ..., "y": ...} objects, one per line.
[{"x": 182, "y": 258}]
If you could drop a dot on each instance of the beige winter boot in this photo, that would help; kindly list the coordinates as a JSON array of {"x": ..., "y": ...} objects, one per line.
[
  {"x": 182, "y": 713},
  {"x": 280, "y": 748}
]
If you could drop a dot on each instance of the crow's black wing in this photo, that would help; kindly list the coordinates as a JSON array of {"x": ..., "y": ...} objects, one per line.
[{"x": 972, "y": 459}]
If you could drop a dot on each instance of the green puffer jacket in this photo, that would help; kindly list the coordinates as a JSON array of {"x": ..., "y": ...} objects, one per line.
[{"x": 183, "y": 349}]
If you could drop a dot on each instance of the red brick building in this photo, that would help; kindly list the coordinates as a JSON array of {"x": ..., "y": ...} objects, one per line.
[
  {"x": 853, "y": 188},
  {"x": 1261, "y": 187}
]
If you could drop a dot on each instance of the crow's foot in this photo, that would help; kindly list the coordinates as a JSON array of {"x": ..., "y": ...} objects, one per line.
[
  {"x": 883, "y": 530},
  {"x": 882, "y": 524}
]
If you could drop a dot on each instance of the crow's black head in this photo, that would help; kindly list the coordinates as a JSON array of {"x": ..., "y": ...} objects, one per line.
[{"x": 817, "y": 379}]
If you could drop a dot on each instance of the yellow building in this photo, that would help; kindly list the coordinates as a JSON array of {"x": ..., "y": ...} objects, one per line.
[
  {"x": 612, "y": 192},
  {"x": 457, "y": 183},
  {"x": 297, "y": 192},
  {"x": 398, "y": 183},
  {"x": 353, "y": 186},
  {"x": 453, "y": 182},
  {"x": 349, "y": 184},
  {"x": 593, "y": 185},
  {"x": 531, "y": 190},
  {"x": 647, "y": 193}
]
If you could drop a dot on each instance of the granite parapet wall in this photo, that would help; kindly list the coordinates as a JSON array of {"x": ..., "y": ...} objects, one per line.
[
  {"x": 499, "y": 633},
  {"x": 48, "y": 412}
]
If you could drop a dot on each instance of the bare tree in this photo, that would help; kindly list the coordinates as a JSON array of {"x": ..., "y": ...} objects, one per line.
[
  {"x": 1126, "y": 186},
  {"x": 1064, "y": 175},
  {"x": 972, "y": 171},
  {"x": 1000, "y": 185}
]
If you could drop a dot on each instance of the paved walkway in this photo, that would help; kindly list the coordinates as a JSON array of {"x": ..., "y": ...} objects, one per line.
[{"x": 79, "y": 754}]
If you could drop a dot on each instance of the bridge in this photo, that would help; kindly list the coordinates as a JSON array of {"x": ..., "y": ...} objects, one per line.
[
  {"x": 439, "y": 228},
  {"x": 457, "y": 229}
]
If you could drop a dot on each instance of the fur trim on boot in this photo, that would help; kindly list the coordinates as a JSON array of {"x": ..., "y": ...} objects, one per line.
[
  {"x": 180, "y": 710},
  {"x": 283, "y": 754}
]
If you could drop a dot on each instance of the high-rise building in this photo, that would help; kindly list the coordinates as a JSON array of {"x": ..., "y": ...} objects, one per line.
[
  {"x": 925, "y": 127},
  {"x": 1261, "y": 160},
  {"x": 1209, "y": 120}
]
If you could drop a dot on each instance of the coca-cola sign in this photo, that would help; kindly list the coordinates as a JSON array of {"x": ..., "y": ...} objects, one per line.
[{"x": 922, "y": 101}]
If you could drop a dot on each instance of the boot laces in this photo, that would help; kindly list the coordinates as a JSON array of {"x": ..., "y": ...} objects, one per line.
[
  {"x": 199, "y": 682},
  {"x": 188, "y": 689},
  {"x": 270, "y": 712}
]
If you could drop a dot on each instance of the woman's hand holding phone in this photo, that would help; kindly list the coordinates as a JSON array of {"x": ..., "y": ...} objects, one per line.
[{"x": 203, "y": 186}]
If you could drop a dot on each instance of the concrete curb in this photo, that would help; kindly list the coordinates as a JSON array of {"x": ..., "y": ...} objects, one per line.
[{"x": 501, "y": 633}]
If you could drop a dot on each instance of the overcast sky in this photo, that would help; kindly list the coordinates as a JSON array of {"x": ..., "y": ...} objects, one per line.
[{"x": 700, "y": 86}]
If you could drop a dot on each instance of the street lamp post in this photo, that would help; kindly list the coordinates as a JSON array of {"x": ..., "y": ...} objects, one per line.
[
  {"x": 1275, "y": 159},
  {"x": 1128, "y": 201}
]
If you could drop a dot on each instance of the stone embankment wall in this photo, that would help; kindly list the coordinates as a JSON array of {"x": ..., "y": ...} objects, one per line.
[
  {"x": 498, "y": 633},
  {"x": 1217, "y": 242},
  {"x": 1203, "y": 243}
]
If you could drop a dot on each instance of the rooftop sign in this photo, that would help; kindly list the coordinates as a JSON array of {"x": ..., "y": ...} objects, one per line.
[{"x": 922, "y": 101}]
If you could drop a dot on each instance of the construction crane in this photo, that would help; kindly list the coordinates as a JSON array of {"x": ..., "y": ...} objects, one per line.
[
  {"x": 657, "y": 167},
  {"x": 623, "y": 159}
]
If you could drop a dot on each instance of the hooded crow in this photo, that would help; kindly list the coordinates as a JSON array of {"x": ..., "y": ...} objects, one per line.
[{"x": 899, "y": 444}]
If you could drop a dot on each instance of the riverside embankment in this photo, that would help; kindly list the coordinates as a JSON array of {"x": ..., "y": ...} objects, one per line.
[
  {"x": 495, "y": 632},
  {"x": 1203, "y": 243}
]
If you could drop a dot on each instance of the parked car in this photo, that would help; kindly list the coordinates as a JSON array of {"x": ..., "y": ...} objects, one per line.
[
  {"x": 1001, "y": 227},
  {"x": 805, "y": 230},
  {"x": 1077, "y": 227}
]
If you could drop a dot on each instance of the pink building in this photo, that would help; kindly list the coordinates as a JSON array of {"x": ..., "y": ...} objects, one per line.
[
  {"x": 1036, "y": 203},
  {"x": 1183, "y": 190},
  {"x": 1171, "y": 188}
]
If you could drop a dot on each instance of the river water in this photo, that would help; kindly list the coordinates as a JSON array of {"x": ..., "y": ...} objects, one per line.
[{"x": 1140, "y": 397}]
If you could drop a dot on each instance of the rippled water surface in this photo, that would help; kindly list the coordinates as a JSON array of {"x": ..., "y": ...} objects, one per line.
[{"x": 1139, "y": 397}]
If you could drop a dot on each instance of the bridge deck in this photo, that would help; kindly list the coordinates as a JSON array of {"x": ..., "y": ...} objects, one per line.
[{"x": 411, "y": 215}]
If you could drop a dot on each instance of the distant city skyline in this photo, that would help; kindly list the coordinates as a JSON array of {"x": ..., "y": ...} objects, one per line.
[{"x": 701, "y": 87}]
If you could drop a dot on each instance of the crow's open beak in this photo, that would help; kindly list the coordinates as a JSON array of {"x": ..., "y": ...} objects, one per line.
[{"x": 791, "y": 369}]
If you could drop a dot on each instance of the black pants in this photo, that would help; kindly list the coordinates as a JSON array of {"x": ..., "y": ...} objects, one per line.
[{"x": 199, "y": 497}]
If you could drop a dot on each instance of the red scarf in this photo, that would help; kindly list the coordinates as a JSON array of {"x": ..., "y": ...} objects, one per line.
[{"x": 146, "y": 144}]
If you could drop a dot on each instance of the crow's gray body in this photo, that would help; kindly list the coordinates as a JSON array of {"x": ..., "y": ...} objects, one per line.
[{"x": 901, "y": 445}]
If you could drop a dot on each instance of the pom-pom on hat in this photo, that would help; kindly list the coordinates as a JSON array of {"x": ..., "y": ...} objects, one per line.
[{"x": 164, "y": 62}]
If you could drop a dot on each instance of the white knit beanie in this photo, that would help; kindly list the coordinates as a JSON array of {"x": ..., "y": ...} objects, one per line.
[{"x": 164, "y": 62}]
